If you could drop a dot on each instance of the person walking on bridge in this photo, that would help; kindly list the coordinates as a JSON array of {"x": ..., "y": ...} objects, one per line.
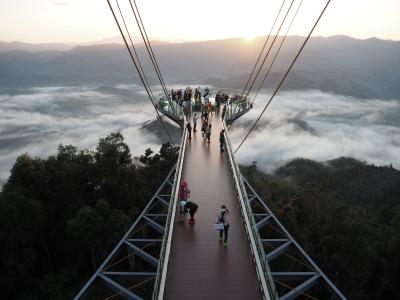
[
  {"x": 208, "y": 133},
  {"x": 204, "y": 128},
  {"x": 195, "y": 117},
  {"x": 222, "y": 140},
  {"x": 223, "y": 218},
  {"x": 205, "y": 114},
  {"x": 223, "y": 112},
  {"x": 189, "y": 130}
]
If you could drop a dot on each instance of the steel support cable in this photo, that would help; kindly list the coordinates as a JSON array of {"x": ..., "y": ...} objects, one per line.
[
  {"x": 133, "y": 55},
  {"x": 294, "y": 288},
  {"x": 140, "y": 75},
  {"x": 263, "y": 48},
  {"x": 129, "y": 255},
  {"x": 291, "y": 257},
  {"x": 134, "y": 51},
  {"x": 130, "y": 288},
  {"x": 150, "y": 52},
  {"x": 269, "y": 49},
  {"x": 150, "y": 47},
  {"x": 277, "y": 52},
  {"x": 138, "y": 60},
  {"x": 284, "y": 77}
]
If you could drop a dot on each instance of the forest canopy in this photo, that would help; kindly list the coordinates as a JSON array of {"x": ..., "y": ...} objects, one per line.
[
  {"x": 61, "y": 216},
  {"x": 345, "y": 214}
]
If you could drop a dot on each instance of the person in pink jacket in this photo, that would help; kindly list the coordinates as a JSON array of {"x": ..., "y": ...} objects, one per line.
[{"x": 184, "y": 193}]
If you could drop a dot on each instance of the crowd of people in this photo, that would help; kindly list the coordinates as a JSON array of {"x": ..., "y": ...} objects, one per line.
[
  {"x": 188, "y": 206},
  {"x": 236, "y": 97},
  {"x": 197, "y": 100},
  {"x": 189, "y": 96},
  {"x": 185, "y": 97},
  {"x": 206, "y": 112}
]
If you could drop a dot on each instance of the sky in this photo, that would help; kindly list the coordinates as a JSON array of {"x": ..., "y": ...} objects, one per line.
[{"x": 80, "y": 21}]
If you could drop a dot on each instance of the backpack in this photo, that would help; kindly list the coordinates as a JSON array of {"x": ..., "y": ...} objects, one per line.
[{"x": 221, "y": 218}]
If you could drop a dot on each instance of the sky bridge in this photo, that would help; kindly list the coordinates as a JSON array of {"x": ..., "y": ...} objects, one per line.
[{"x": 161, "y": 257}]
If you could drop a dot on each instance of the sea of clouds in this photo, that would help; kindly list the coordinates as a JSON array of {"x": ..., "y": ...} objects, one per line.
[
  {"x": 37, "y": 120},
  {"x": 320, "y": 126},
  {"x": 310, "y": 124}
]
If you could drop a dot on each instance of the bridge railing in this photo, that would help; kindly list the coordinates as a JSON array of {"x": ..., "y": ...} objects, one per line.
[
  {"x": 263, "y": 271},
  {"x": 236, "y": 109},
  {"x": 159, "y": 285},
  {"x": 170, "y": 108}
]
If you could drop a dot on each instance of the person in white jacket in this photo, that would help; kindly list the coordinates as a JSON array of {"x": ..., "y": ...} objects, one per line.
[
  {"x": 195, "y": 117},
  {"x": 223, "y": 217}
]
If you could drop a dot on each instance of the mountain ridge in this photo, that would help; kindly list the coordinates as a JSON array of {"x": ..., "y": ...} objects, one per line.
[{"x": 363, "y": 68}]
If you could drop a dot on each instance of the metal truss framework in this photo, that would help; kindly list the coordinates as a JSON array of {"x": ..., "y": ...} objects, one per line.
[
  {"x": 135, "y": 259},
  {"x": 237, "y": 109},
  {"x": 277, "y": 244},
  {"x": 171, "y": 110}
]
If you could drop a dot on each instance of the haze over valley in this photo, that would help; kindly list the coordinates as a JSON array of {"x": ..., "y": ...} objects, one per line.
[
  {"x": 363, "y": 68},
  {"x": 346, "y": 105}
]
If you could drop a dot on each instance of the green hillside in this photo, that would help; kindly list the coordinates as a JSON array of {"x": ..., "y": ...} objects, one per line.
[
  {"x": 346, "y": 214},
  {"x": 61, "y": 216}
]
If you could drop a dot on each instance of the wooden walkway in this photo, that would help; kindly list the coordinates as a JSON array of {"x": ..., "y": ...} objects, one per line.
[{"x": 200, "y": 266}]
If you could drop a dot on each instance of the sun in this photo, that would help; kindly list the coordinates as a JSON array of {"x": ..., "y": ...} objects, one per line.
[
  {"x": 248, "y": 39},
  {"x": 248, "y": 36}
]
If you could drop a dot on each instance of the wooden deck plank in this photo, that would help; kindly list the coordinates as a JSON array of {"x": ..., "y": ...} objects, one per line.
[{"x": 200, "y": 266}]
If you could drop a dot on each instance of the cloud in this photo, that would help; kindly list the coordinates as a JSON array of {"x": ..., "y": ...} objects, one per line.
[
  {"x": 39, "y": 120},
  {"x": 309, "y": 124},
  {"x": 320, "y": 126}
]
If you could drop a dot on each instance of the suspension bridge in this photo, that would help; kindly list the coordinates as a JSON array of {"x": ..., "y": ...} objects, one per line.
[{"x": 162, "y": 258}]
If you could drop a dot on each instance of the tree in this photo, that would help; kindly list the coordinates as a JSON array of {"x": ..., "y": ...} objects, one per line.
[{"x": 60, "y": 216}]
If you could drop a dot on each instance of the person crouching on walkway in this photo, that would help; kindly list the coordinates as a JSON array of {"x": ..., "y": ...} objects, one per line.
[
  {"x": 192, "y": 208},
  {"x": 184, "y": 193},
  {"x": 223, "y": 218}
]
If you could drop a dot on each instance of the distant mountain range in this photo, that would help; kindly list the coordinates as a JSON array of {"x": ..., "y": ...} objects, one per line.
[{"x": 364, "y": 68}]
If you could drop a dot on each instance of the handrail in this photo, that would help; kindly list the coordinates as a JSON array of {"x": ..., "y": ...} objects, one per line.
[
  {"x": 173, "y": 105},
  {"x": 263, "y": 272},
  {"x": 159, "y": 284},
  {"x": 236, "y": 109},
  {"x": 172, "y": 108}
]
